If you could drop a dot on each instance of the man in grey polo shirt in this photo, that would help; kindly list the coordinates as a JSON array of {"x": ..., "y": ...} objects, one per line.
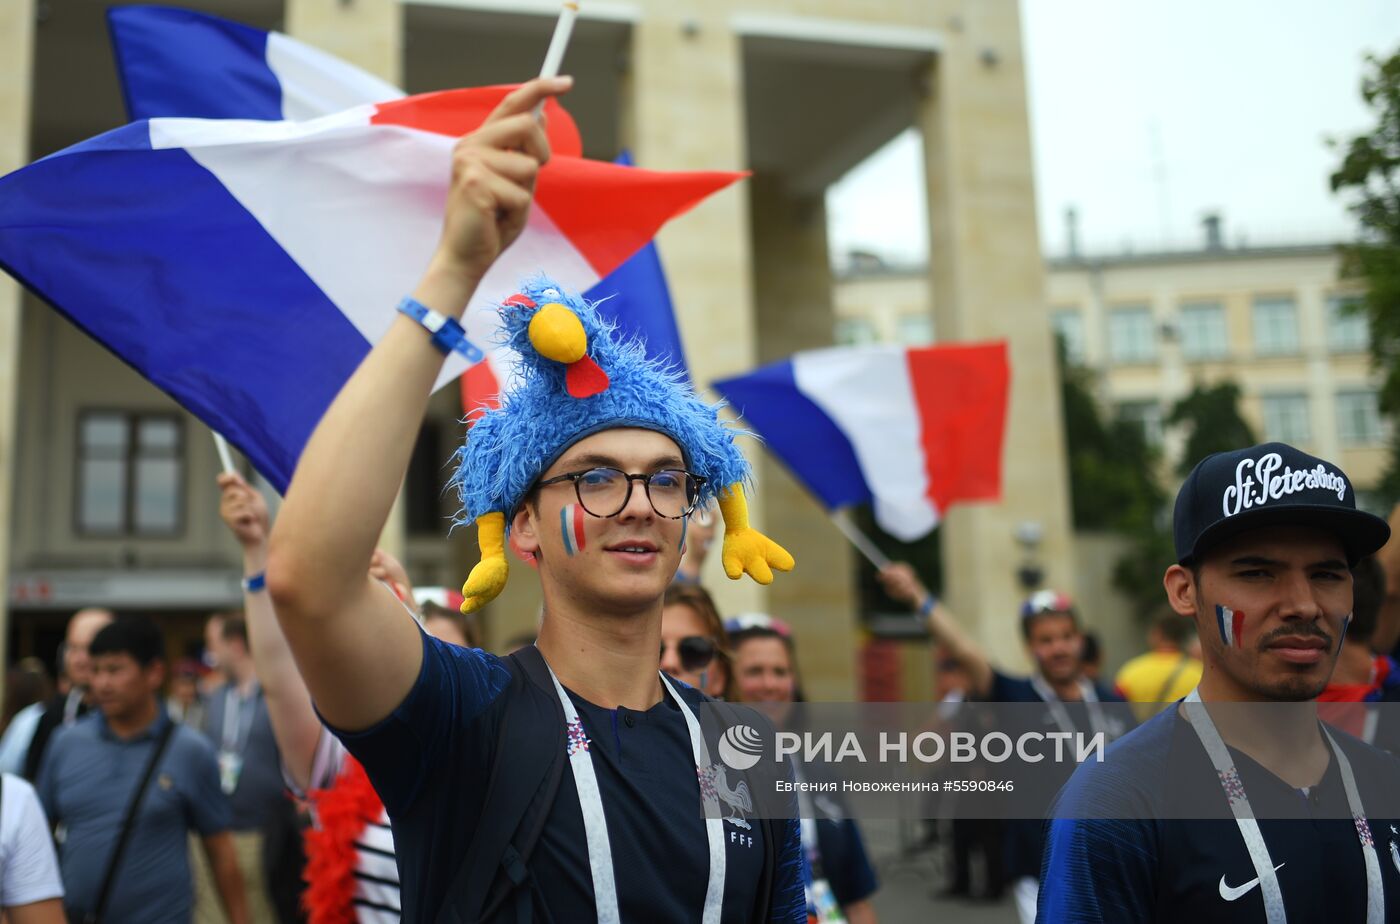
[{"x": 90, "y": 774}]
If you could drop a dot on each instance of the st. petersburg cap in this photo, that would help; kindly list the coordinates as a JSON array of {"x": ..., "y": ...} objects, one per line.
[{"x": 1272, "y": 484}]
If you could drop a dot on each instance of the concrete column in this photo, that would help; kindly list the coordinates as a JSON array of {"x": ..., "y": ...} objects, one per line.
[
  {"x": 792, "y": 276},
  {"x": 686, "y": 112},
  {"x": 16, "y": 84},
  {"x": 368, "y": 33},
  {"x": 987, "y": 280}
]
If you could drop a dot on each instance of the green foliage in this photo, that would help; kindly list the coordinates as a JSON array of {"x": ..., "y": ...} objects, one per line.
[
  {"x": 1369, "y": 175},
  {"x": 1211, "y": 414}
]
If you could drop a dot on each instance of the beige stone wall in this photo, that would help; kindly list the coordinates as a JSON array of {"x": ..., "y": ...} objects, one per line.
[{"x": 16, "y": 61}]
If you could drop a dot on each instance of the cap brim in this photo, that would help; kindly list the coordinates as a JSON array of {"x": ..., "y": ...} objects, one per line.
[{"x": 1361, "y": 533}]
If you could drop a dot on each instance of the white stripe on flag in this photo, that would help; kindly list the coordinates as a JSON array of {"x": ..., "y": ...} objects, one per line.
[
  {"x": 315, "y": 83},
  {"x": 868, "y": 395},
  {"x": 357, "y": 206}
]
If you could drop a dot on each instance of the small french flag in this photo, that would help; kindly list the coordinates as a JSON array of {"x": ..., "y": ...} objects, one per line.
[
  {"x": 571, "y": 525},
  {"x": 909, "y": 430},
  {"x": 1231, "y": 624}
]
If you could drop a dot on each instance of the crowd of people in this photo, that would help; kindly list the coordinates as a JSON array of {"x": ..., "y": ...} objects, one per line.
[{"x": 346, "y": 752}]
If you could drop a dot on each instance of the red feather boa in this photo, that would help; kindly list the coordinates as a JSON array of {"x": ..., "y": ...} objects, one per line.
[{"x": 342, "y": 811}]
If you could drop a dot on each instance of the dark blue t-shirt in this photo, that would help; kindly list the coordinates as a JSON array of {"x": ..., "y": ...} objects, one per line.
[
  {"x": 844, "y": 861},
  {"x": 1023, "y": 838},
  {"x": 430, "y": 761},
  {"x": 1132, "y": 861}
]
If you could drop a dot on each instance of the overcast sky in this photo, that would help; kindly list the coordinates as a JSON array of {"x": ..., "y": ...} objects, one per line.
[{"x": 1146, "y": 115}]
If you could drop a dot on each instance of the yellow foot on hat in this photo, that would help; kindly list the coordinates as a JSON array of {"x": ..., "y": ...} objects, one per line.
[
  {"x": 488, "y": 578},
  {"x": 746, "y": 550}
]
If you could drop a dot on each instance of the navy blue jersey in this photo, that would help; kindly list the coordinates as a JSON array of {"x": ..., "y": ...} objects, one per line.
[
  {"x": 1134, "y": 862},
  {"x": 1023, "y": 838},
  {"x": 430, "y": 760}
]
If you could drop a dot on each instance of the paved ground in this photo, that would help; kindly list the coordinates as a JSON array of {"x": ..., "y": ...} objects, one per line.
[{"x": 910, "y": 877}]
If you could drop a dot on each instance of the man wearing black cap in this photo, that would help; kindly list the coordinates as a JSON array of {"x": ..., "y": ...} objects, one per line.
[{"x": 1208, "y": 812}]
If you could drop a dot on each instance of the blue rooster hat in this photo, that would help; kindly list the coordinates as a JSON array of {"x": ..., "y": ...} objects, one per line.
[{"x": 576, "y": 377}]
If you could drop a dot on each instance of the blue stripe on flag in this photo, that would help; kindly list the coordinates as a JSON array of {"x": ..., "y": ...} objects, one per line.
[
  {"x": 169, "y": 59},
  {"x": 149, "y": 254},
  {"x": 799, "y": 433},
  {"x": 635, "y": 295}
]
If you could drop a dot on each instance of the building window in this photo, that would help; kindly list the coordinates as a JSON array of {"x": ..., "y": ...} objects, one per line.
[
  {"x": 1275, "y": 327},
  {"x": 1146, "y": 416},
  {"x": 916, "y": 329},
  {"x": 1132, "y": 337},
  {"x": 1359, "y": 419},
  {"x": 1347, "y": 330},
  {"x": 1069, "y": 328},
  {"x": 1286, "y": 418},
  {"x": 130, "y": 474},
  {"x": 1203, "y": 334},
  {"x": 855, "y": 332}
]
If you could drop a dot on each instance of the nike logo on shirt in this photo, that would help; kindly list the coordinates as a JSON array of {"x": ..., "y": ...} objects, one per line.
[{"x": 1230, "y": 893}]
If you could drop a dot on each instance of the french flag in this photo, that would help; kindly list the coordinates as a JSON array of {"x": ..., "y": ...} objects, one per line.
[
  {"x": 177, "y": 62},
  {"x": 246, "y": 267},
  {"x": 910, "y": 431}
]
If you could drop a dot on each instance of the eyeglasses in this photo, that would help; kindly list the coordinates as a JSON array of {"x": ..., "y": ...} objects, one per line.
[
  {"x": 695, "y": 652},
  {"x": 604, "y": 492}
]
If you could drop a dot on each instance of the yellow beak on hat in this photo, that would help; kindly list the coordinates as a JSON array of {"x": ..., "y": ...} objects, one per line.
[{"x": 557, "y": 334}]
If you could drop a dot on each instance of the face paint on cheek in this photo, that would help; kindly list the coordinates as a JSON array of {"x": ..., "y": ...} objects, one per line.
[
  {"x": 1342, "y": 636},
  {"x": 571, "y": 526},
  {"x": 685, "y": 525},
  {"x": 1231, "y": 625}
]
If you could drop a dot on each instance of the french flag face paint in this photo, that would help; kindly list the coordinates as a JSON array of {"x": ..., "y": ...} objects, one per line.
[
  {"x": 571, "y": 525},
  {"x": 1231, "y": 623}
]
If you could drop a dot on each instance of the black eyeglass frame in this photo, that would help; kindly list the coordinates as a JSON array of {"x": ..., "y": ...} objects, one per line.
[{"x": 627, "y": 497}]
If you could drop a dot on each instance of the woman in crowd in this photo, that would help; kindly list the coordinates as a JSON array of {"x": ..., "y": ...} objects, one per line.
[
  {"x": 694, "y": 646},
  {"x": 764, "y": 664}
]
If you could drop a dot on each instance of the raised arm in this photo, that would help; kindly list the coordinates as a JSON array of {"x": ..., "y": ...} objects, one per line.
[
  {"x": 901, "y": 583},
  {"x": 358, "y": 655},
  {"x": 294, "y": 722}
]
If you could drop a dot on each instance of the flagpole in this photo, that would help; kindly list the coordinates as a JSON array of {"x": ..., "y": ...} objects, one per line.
[
  {"x": 225, "y": 457},
  {"x": 554, "y": 57},
  {"x": 860, "y": 540}
]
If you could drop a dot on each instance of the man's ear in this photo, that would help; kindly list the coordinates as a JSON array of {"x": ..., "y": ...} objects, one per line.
[
  {"x": 523, "y": 533},
  {"x": 1180, "y": 586}
]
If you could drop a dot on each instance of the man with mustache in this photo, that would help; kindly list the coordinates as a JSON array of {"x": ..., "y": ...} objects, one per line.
[{"x": 1238, "y": 804}]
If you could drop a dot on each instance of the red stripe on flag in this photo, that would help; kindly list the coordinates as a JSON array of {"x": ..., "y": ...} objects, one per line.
[
  {"x": 456, "y": 112},
  {"x": 480, "y": 389},
  {"x": 1237, "y": 629},
  {"x": 637, "y": 202},
  {"x": 578, "y": 527},
  {"x": 961, "y": 391}
]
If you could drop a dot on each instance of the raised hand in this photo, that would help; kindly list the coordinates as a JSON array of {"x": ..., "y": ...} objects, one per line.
[
  {"x": 493, "y": 181},
  {"x": 243, "y": 510}
]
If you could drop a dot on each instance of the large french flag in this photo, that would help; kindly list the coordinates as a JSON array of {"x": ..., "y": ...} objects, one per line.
[
  {"x": 910, "y": 431},
  {"x": 178, "y": 62},
  {"x": 246, "y": 267}
]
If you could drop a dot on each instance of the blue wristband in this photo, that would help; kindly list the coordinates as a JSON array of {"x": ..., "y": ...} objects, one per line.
[
  {"x": 448, "y": 335},
  {"x": 927, "y": 606},
  {"x": 255, "y": 582}
]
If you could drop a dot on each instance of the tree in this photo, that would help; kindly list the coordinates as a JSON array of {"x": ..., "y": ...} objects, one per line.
[
  {"x": 1369, "y": 175},
  {"x": 1211, "y": 414}
]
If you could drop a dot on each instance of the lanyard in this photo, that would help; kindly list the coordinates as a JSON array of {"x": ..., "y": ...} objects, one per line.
[
  {"x": 1249, "y": 825},
  {"x": 237, "y": 728},
  {"x": 71, "y": 705},
  {"x": 595, "y": 824},
  {"x": 1061, "y": 715}
]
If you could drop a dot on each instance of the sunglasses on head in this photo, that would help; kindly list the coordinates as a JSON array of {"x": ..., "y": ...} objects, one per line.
[{"x": 694, "y": 651}]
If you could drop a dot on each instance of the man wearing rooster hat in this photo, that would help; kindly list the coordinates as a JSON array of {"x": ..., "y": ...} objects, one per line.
[{"x": 518, "y": 787}]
